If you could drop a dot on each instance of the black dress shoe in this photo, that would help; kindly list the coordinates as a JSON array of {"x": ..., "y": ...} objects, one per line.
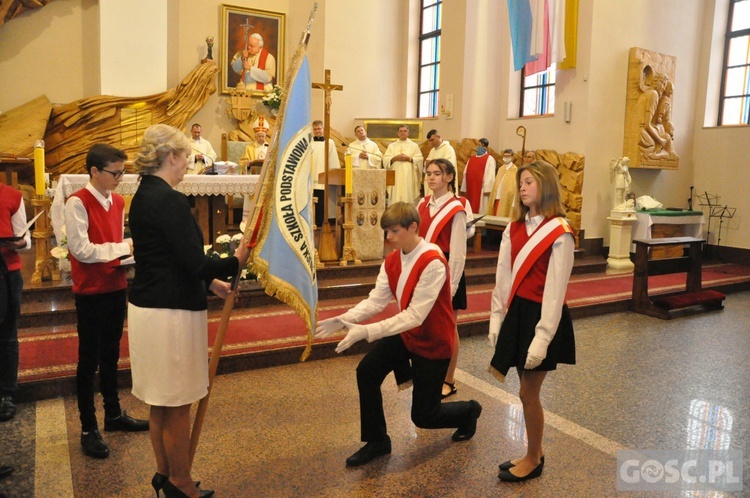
[
  {"x": 7, "y": 408},
  {"x": 369, "y": 452},
  {"x": 5, "y": 471},
  {"x": 125, "y": 423},
  {"x": 507, "y": 476},
  {"x": 93, "y": 444},
  {"x": 467, "y": 431},
  {"x": 509, "y": 464}
]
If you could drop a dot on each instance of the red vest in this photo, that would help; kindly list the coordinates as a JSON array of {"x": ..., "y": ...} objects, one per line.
[
  {"x": 435, "y": 337},
  {"x": 104, "y": 226},
  {"x": 532, "y": 287},
  {"x": 10, "y": 200},
  {"x": 441, "y": 235},
  {"x": 475, "y": 180}
]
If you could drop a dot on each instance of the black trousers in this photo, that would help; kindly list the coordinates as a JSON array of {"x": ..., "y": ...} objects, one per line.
[
  {"x": 427, "y": 410},
  {"x": 13, "y": 287},
  {"x": 319, "y": 194},
  {"x": 100, "y": 322}
]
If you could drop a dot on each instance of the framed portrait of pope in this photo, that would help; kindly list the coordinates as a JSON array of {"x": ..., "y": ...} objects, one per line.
[{"x": 252, "y": 49}]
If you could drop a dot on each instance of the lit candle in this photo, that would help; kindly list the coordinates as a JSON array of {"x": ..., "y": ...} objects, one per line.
[
  {"x": 349, "y": 177},
  {"x": 39, "y": 168}
]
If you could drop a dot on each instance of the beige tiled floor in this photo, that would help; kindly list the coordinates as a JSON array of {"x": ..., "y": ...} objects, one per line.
[{"x": 286, "y": 431}]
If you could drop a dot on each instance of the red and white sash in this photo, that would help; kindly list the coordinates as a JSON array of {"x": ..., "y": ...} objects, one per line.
[
  {"x": 538, "y": 243},
  {"x": 442, "y": 217},
  {"x": 408, "y": 278}
]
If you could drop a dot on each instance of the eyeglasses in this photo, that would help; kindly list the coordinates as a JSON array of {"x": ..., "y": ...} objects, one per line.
[{"x": 116, "y": 174}]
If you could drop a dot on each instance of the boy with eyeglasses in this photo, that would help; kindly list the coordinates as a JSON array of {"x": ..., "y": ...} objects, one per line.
[{"x": 94, "y": 224}]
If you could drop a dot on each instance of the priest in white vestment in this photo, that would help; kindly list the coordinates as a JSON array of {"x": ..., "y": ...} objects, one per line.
[
  {"x": 440, "y": 150},
  {"x": 405, "y": 158},
  {"x": 318, "y": 152},
  {"x": 504, "y": 189},
  {"x": 479, "y": 177},
  {"x": 365, "y": 153},
  {"x": 202, "y": 155}
]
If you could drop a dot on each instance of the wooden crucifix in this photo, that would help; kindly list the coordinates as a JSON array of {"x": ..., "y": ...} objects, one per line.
[{"x": 327, "y": 251}]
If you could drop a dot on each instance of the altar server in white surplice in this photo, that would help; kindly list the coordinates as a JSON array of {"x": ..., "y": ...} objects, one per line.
[
  {"x": 203, "y": 154},
  {"x": 404, "y": 157},
  {"x": 318, "y": 167},
  {"x": 365, "y": 153},
  {"x": 440, "y": 150}
]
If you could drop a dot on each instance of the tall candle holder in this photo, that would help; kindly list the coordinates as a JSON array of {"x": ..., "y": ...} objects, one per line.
[
  {"x": 348, "y": 253},
  {"x": 45, "y": 266}
]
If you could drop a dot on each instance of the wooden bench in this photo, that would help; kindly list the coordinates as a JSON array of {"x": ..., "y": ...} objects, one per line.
[
  {"x": 489, "y": 222},
  {"x": 693, "y": 300}
]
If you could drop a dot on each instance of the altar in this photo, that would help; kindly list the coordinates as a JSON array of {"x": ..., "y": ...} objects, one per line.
[
  {"x": 210, "y": 193},
  {"x": 659, "y": 223}
]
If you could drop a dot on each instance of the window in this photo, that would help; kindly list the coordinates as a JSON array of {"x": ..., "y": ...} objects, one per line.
[
  {"x": 538, "y": 93},
  {"x": 734, "y": 101},
  {"x": 429, "y": 58}
]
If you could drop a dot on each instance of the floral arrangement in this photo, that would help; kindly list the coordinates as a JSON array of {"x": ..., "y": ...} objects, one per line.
[
  {"x": 228, "y": 245},
  {"x": 273, "y": 99},
  {"x": 60, "y": 251}
]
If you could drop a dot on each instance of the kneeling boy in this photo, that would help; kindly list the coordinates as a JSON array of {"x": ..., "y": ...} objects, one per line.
[{"x": 421, "y": 334}]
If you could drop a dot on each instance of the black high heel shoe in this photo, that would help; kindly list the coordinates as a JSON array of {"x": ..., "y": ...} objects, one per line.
[
  {"x": 172, "y": 491},
  {"x": 158, "y": 482}
]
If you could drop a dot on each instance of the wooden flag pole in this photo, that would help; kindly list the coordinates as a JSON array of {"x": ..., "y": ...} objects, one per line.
[
  {"x": 246, "y": 239},
  {"x": 228, "y": 306}
]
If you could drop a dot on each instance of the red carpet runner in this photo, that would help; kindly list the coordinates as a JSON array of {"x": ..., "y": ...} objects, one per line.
[{"x": 48, "y": 355}]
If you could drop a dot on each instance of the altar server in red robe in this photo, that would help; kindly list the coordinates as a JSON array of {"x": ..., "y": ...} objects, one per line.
[
  {"x": 421, "y": 335},
  {"x": 530, "y": 325},
  {"x": 479, "y": 177}
]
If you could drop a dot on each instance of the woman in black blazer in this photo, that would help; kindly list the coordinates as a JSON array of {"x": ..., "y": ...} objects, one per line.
[{"x": 167, "y": 317}]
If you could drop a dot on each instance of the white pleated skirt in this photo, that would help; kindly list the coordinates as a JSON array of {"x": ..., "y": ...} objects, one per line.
[{"x": 168, "y": 355}]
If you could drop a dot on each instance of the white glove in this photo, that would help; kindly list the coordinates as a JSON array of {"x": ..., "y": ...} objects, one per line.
[
  {"x": 492, "y": 336},
  {"x": 536, "y": 353},
  {"x": 355, "y": 334},
  {"x": 328, "y": 327},
  {"x": 532, "y": 361}
]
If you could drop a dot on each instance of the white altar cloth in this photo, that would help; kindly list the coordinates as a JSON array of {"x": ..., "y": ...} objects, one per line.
[
  {"x": 693, "y": 224},
  {"x": 190, "y": 185}
]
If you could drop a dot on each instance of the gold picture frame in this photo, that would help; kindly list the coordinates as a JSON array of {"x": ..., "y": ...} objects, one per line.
[
  {"x": 238, "y": 26},
  {"x": 387, "y": 129}
]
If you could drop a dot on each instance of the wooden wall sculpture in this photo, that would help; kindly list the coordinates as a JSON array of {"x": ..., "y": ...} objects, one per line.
[
  {"x": 120, "y": 121},
  {"x": 649, "y": 130},
  {"x": 14, "y": 8}
]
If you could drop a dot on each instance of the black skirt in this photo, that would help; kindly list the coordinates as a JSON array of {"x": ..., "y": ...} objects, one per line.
[{"x": 516, "y": 335}]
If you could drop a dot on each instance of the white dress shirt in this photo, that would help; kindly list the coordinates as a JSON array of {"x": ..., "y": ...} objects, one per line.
[
  {"x": 555, "y": 284},
  {"x": 18, "y": 222},
  {"x": 77, "y": 231},
  {"x": 457, "y": 256},
  {"x": 425, "y": 294}
]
